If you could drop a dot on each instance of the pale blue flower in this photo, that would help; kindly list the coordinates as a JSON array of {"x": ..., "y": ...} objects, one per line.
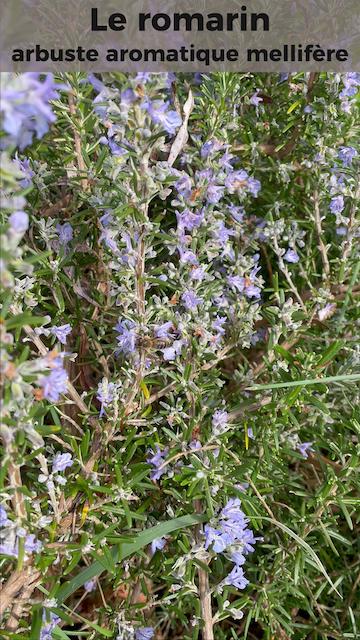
[
  {"x": 291, "y": 256},
  {"x": 61, "y": 332},
  {"x": 61, "y": 462},
  {"x": 54, "y": 384},
  {"x": 19, "y": 222}
]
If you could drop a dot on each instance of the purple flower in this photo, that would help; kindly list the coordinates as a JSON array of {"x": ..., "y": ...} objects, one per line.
[
  {"x": 236, "y": 578},
  {"x": 157, "y": 545},
  {"x": 209, "y": 148},
  {"x": 32, "y": 544},
  {"x": 327, "y": 311},
  {"x": 217, "y": 538},
  {"x": 170, "y": 353},
  {"x": 232, "y": 510},
  {"x": 337, "y": 204},
  {"x": 220, "y": 420},
  {"x": 25, "y": 168},
  {"x": 54, "y": 384},
  {"x": 157, "y": 460},
  {"x": 115, "y": 149},
  {"x": 191, "y": 300},
  {"x": 218, "y": 326},
  {"x": 347, "y": 155},
  {"x": 127, "y": 98},
  {"x": 226, "y": 161},
  {"x": 255, "y": 99},
  {"x": 48, "y": 626},
  {"x": 90, "y": 585},
  {"x": 254, "y": 187},
  {"x": 19, "y": 222},
  {"x": 127, "y": 336},
  {"x": 214, "y": 193},
  {"x": 145, "y": 633},
  {"x": 65, "y": 232},
  {"x": 341, "y": 231},
  {"x": 236, "y": 282},
  {"x": 237, "y": 213},
  {"x": 184, "y": 186},
  {"x": 222, "y": 234},
  {"x": 95, "y": 82},
  {"x": 238, "y": 558},
  {"x": 189, "y": 220},
  {"x": 61, "y": 462},
  {"x": 143, "y": 77},
  {"x": 305, "y": 448},
  {"x": 25, "y": 106},
  {"x": 236, "y": 180},
  {"x": 158, "y": 111},
  {"x": 250, "y": 433},
  {"x": 351, "y": 82},
  {"x": 251, "y": 291},
  {"x": 163, "y": 331},
  {"x": 197, "y": 274},
  {"x": 105, "y": 394},
  {"x": 291, "y": 256},
  {"x": 9, "y": 549},
  {"x": 4, "y": 520},
  {"x": 187, "y": 256},
  {"x": 61, "y": 332}
]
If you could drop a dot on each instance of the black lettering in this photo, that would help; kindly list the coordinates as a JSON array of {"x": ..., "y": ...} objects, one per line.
[
  {"x": 112, "y": 55},
  {"x": 258, "y": 53},
  {"x": 215, "y": 22},
  {"x": 143, "y": 17},
  {"x": 17, "y": 55},
  {"x": 135, "y": 55},
  {"x": 154, "y": 55},
  {"x": 342, "y": 55},
  {"x": 95, "y": 26},
  {"x": 275, "y": 55},
  {"x": 255, "y": 17},
  {"x": 232, "y": 55},
  {"x": 117, "y": 22},
  {"x": 92, "y": 55},
  {"x": 188, "y": 19},
  {"x": 161, "y": 22},
  {"x": 230, "y": 19}
]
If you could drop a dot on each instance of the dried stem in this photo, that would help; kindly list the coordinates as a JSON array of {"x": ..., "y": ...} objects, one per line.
[
  {"x": 77, "y": 140},
  {"x": 204, "y": 588}
]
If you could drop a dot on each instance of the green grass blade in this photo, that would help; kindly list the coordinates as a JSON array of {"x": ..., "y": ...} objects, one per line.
[
  {"x": 304, "y": 383},
  {"x": 120, "y": 552}
]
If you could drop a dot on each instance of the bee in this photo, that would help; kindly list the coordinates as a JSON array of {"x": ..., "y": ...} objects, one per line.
[
  {"x": 148, "y": 342},
  {"x": 174, "y": 300},
  {"x": 196, "y": 432},
  {"x": 196, "y": 193},
  {"x": 240, "y": 184},
  {"x": 140, "y": 90},
  {"x": 38, "y": 394}
]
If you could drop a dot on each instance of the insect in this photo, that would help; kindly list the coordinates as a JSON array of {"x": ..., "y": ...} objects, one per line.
[{"x": 196, "y": 193}]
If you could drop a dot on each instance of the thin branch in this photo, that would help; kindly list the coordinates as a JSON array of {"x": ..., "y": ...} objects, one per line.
[
  {"x": 77, "y": 140},
  {"x": 204, "y": 588},
  {"x": 319, "y": 231}
]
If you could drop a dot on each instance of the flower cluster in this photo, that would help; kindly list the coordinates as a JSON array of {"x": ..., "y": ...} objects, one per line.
[
  {"x": 25, "y": 107},
  {"x": 231, "y": 536}
]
